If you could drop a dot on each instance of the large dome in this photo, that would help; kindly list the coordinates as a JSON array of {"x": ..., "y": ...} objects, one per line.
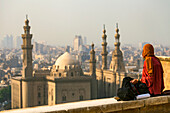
[{"x": 66, "y": 59}]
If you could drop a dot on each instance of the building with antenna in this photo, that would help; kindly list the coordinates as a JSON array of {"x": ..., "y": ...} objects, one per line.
[{"x": 78, "y": 41}]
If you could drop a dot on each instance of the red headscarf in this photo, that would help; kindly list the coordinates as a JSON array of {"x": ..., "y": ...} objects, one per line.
[{"x": 148, "y": 52}]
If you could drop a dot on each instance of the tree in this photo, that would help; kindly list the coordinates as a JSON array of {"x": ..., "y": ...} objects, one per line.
[{"x": 5, "y": 94}]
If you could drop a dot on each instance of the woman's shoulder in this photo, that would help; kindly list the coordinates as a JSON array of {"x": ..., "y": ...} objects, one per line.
[
  {"x": 148, "y": 58},
  {"x": 156, "y": 61}
]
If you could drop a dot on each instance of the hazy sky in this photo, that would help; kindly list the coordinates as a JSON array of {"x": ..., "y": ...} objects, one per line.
[{"x": 58, "y": 21}]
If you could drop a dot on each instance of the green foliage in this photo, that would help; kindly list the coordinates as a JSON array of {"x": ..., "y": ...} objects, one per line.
[{"x": 5, "y": 94}]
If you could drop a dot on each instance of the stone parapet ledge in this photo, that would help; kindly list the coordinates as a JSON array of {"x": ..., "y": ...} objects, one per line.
[
  {"x": 160, "y": 104},
  {"x": 164, "y": 58}
]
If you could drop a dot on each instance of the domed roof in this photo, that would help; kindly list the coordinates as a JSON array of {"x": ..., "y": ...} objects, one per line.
[{"x": 66, "y": 59}]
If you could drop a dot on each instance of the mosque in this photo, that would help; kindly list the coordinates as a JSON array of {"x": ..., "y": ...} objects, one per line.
[{"x": 66, "y": 81}]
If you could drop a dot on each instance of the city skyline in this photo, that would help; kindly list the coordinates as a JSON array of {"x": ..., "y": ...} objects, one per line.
[{"x": 58, "y": 21}]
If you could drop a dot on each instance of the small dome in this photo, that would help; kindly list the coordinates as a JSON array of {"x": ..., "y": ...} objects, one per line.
[{"x": 66, "y": 59}]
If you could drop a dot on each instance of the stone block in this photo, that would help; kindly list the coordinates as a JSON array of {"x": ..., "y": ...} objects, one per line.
[
  {"x": 95, "y": 109},
  {"x": 153, "y": 109},
  {"x": 131, "y": 111},
  {"x": 156, "y": 100},
  {"x": 132, "y": 104},
  {"x": 168, "y": 96},
  {"x": 167, "y": 108},
  {"x": 63, "y": 111},
  {"x": 112, "y": 107}
]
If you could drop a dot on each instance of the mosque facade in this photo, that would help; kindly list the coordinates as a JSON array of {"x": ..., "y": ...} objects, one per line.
[{"x": 66, "y": 81}]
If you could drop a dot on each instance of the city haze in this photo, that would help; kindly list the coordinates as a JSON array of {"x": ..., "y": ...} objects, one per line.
[{"x": 58, "y": 21}]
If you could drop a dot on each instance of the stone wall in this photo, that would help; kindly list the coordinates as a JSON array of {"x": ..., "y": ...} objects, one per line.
[
  {"x": 150, "y": 105},
  {"x": 166, "y": 67}
]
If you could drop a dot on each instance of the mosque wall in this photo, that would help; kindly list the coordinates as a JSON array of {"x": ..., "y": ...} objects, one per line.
[
  {"x": 107, "y": 83},
  {"x": 40, "y": 93},
  {"x": 73, "y": 91},
  {"x": 52, "y": 99},
  {"x": 16, "y": 94}
]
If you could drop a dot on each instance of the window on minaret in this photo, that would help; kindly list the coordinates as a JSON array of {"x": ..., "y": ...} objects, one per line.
[
  {"x": 52, "y": 97},
  {"x": 44, "y": 93},
  {"x": 39, "y": 103},
  {"x": 59, "y": 74},
  {"x": 72, "y": 74},
  {"x": 51, "y": 94},
  {"x": 64, "y": 98},
  {"x": 39, "y": 94},
  {"x": 65, "y": 67},
  {"x": 72, "y": 94},
  {"x": 109, "y": 89},
  {"x": 81, "y": 97},
  {"x": 109, "y": 86}
]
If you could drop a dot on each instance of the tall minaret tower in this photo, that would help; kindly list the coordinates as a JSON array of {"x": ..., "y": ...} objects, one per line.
[
  {"x": 117, "y": 36},
  {"x": 27, "y": 51},
  {"x": 104, "y": 51},
  {"x": 92, "y": 62},
  {"x": 117, "y": 64},
  {"x": 94, "y": 88}
]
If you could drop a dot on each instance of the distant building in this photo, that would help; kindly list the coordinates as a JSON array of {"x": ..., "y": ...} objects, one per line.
[
  {"x": 141, "y": 45},
  {"x": 77, "y": 42},
  {"x": 68, "y": 49},
  {"x": 17, "y": 42},
  {"x": 7, "y": 42},
  {"x": 12, "y": 61},
  {"x": 85, "y": 41}
]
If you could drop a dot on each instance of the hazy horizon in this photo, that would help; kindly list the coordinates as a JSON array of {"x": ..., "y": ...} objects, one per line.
[{"x": 58, "y": 21}]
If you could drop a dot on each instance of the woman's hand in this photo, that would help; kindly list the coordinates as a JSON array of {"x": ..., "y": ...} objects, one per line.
[{"x": 134, "y": 81}]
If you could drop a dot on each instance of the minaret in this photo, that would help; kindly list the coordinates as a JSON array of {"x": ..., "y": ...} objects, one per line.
[
  {"x": 117, "y": 64},
  {"x": 94, "y": 88},
  {"x": 27, "y": 51},
  {"x": 92, "y": 62},
  {"x": 104, "y": 51},
  {"x": 117, "y": 36}
]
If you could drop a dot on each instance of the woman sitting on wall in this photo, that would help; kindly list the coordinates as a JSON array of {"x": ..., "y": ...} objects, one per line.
[{"x": 152, "y": 74}]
